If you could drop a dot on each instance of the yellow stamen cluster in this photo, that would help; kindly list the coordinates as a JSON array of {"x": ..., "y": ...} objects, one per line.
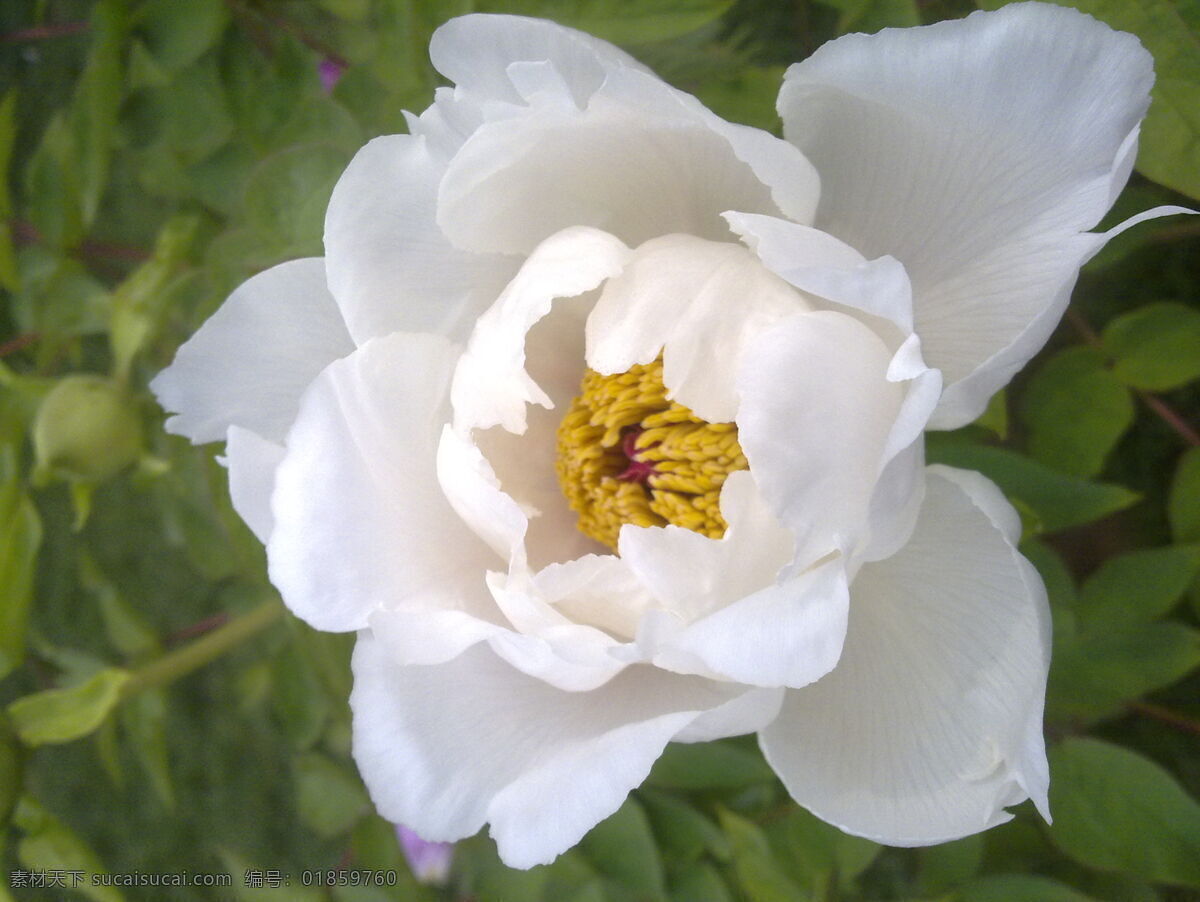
[{"x": 628, "y": 454}]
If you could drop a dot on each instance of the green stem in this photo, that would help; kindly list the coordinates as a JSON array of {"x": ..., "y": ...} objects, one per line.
[{"x": 204, "y": 650}]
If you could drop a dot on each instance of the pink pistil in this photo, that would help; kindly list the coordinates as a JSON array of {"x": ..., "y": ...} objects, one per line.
[{"x": 638, "y": 470}]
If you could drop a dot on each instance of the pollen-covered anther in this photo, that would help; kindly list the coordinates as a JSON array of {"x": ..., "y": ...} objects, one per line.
[{"x": 628, "y": 454}]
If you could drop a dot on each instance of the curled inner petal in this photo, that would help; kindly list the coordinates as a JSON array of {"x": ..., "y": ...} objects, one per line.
[{"x": 629, "y": 454}]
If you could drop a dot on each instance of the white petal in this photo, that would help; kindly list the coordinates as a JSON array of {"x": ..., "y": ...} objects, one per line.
[
  {"x": 931, "y": 722},
  {"x": 964, "y": 400},
  {"x": 476, "y": 53},
  {"x": 788, "y": 634},
  {"x": 390, "y": 267},
  {"x": 793, "y": 181},
  {"x": 613, "y": 166},
  {"x": 491, "y": 386},
  {"x": 446, "y": 748},
  {"x": 691, "y": 575},
  {"x": 816, "y": 415},
  {"x": 698, "y": 302},
  {"x": 598, "y": 589},
  {"x": 973, "y": 151},
  {"x": 252, "y": 461},
  {"x": 471, "y": 487},
  {"x": 567, "y": 656},
  {"x": 249, "y": 363},
  {"x": 821, "y": 265},
  {"x": 720, "y": 611},
  {"x": 360, "y": 519},
  {"x": 745, "y": 713}
]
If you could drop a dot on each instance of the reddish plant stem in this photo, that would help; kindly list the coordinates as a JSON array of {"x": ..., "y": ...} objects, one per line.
[
  {"x": 198, "y": 628},
  {"x": 312, "y": 43},
  {"x": 1157, "y": 405},
  {"x": 1167, "y": 716},
  {"x": 16, "y": 344},
  {"x": 1170, "y": 417},
  {"x": 27, "y": 233},
  {"x": 42, "y": 32},
  {"x": 111, "y": 251}
]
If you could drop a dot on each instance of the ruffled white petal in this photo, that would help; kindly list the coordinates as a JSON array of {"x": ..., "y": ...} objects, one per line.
[
  {"x": 596, "y": 589},
  {"x": 446, "y": 748},
  {"x": 821, "y": 265},
  {"x": 389, "y": 265},
  {"x": 816, "y": 415},
  {"x": 931, "y": 722},
  {"x": 252, "y": 461},
  {"x": 478, "y": 52},
  {"x": 793, "y": 181},
  {"x": 721, "y": 612},
  {"x": 975, "y": 152},
  {"x": 491, "y": 385},
  {"x": 697, "y": 302},
  {"x": 504, "y": 63},
  {"x": 517, "y": 180},
  {"x": 249, "y": 363},
  {"x": 691, "y": 575},
  {"x": 361, "y": 521}
]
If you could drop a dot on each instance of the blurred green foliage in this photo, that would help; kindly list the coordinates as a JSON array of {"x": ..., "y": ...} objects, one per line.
[{"x": 158, "y": 152}]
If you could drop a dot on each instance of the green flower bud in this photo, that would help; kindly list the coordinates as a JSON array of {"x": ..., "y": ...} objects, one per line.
[{"x": 86, "y": 429}]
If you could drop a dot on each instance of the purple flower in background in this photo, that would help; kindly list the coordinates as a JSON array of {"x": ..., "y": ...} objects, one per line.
[
  {"x": 430, "y": 861},
  {"x": 330, "y": 70}
]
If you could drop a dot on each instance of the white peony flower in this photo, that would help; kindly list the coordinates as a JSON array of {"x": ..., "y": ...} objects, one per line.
[{"x": 600, "y": 421}]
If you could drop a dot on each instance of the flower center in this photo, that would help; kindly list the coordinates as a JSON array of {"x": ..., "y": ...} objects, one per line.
[{"x": 627, "y": 454}]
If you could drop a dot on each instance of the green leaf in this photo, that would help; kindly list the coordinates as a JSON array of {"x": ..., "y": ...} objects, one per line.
[
  {"x": 198, "y": 122},
  {"x": 622, "y": 848},
  {"x": 1060, "y": 584},
  {"x": 758, "y": 873},
  {"x": 995, "y": 418},
  {"x": 1056, "y": 499},
  {"x": 1137, "y": 587},
  {"x": 1183, "y": 505},
  {"x": 485, "y": 877},
  {"x": 177, "y": 34},
  {"x": 1115, "y": 810},
  {"x": 98, "y": 98},
  {"x": 700, "y": 883},
  {"x": 815, "y": 853},
  {"x": 746, "y": 95},
  {"x": 61, "y": 715},
  {"x": 1156, "y": 347},
  {"x": 1076, "y": 410},
  {"x": 945, "y": 866},
  {"x": 328, "y": 799},
  {"x": 50, "y": 845},
  {"x": 708, "y": 765},
  {"x": 144, "y": 719},
  {"x": 253, "y": 884},
  {"x": 287, "y": 194},
  {"x": 683, "y": 832},
  {"x": 1018, "y": 888},
  {"x": 618, "y": 20},
  {"x": 1094, "y": 675},
  {"x": 52, "y": 185},
  {"x": 8, "y": 134},
  {"x": 20, "y": 538},
  {"x": 11, "y": 772},
  {"x": 299, "y": 699},
  {"x": 872, "y": 15},
  {"x": 140, "y": 301},
  {"x": 58, "y": 297}
]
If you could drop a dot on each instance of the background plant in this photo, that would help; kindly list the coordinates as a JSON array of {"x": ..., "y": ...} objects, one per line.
[{"x": 159, "y": 712}]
